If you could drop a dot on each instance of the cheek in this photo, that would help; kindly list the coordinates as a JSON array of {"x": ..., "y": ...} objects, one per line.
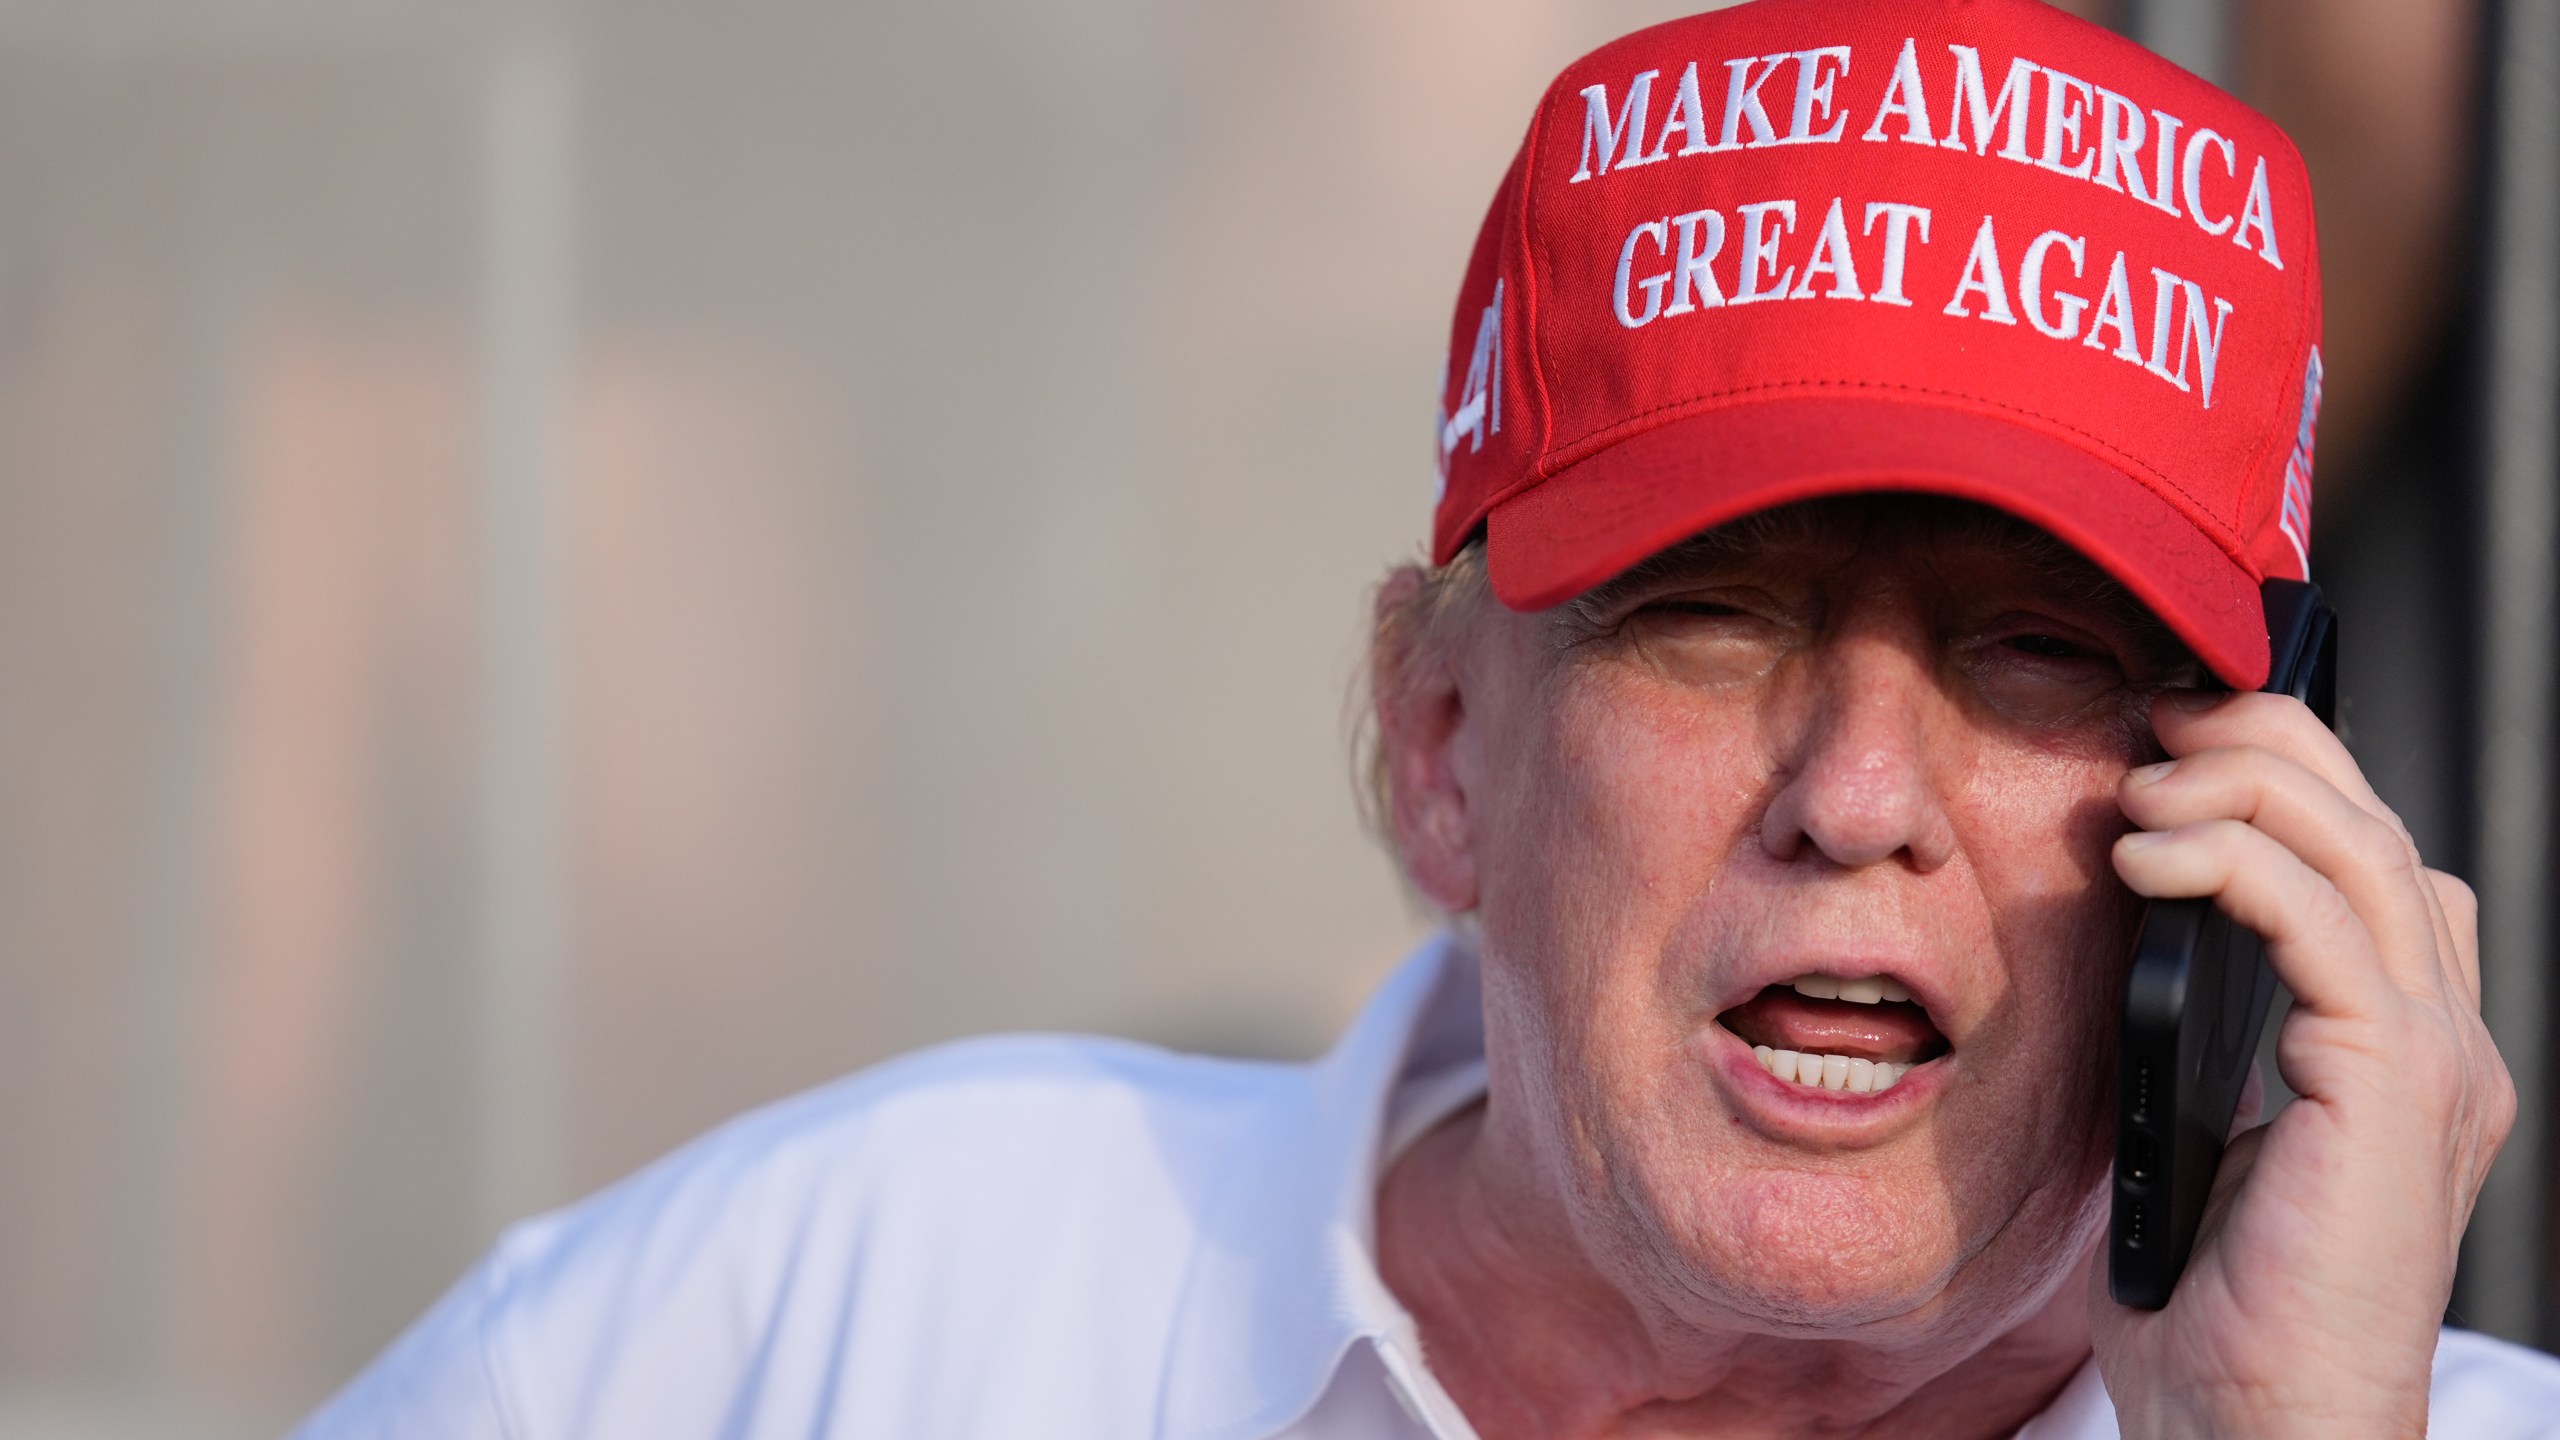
[
  {"x": 1618, "y": 803},
  {"x": 2037, "y": 826},
  {"x": 1614, "y": 812},
  {"x": 2063, "y": 923}
]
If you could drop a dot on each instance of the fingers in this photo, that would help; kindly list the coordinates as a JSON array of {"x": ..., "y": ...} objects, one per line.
[
  {"x": 2186, "y": 721},
  {"x": 2264, "y": 812},
  {"x": 2367, "y": 860},
  {"x": 2316, "y": 941},
  {"x": 2191, "y": 723}
]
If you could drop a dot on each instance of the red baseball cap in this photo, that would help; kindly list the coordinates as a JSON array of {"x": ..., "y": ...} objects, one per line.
[{"x": 1976, "y": 248}]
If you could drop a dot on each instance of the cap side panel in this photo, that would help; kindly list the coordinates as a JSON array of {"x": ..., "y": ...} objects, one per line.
[
  {"x": 2267, "y": 477},
  {"x": 2261, "y": 490},
  {"x": 1476, "y": 449},
  {"x": 1534, "y": 269}
]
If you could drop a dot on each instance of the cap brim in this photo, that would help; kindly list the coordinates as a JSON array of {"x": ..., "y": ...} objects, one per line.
[{"x": 1591, "y": 521}]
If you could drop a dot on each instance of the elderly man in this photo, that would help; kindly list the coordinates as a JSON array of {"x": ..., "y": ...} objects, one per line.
[{"x": 1867, "y": 430}]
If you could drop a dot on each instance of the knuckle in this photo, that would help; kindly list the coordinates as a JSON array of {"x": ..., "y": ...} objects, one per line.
[
  {"x": 2256, "y": 778},
  {"x": 2461, "y": 903},
  {"x": 2231, "y": 833},
  {"x": 2244, "y": 766},
  {"x": 2498, "y": 1103},
  {"x": 2328, "y": 908},
  {"x": 2382, "y": 849},
  {"x": 2227, "y": 842},
  {"x": 2398, "y": 827}
]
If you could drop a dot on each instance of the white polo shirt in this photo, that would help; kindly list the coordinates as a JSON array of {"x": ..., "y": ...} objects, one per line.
[{"x": 1062, "y": 1238}]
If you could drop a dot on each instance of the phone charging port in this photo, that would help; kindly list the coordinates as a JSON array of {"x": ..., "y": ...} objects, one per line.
[{"x": 2141, "y": 1159}]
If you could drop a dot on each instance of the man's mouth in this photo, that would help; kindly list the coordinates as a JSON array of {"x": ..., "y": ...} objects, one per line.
[{"x": 1828, "y": 1032}]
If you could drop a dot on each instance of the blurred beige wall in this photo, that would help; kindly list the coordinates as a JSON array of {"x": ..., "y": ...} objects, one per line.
[{"x": 565, "y": 571}]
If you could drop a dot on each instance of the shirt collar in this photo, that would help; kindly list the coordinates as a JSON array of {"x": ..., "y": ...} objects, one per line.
[{"x": 1285, "y": 1280}]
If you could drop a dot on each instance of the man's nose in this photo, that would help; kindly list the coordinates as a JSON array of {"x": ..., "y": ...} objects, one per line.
[{"x": 1861, "y": 769}]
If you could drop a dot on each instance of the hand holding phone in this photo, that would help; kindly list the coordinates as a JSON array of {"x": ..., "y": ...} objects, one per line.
[
  {"x": 2309, "y": 1302},
  {"x": 2195, "y": 1000}
]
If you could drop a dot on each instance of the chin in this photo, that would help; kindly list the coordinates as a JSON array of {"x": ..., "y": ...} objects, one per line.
[{"x": 1815, "y": 1251}]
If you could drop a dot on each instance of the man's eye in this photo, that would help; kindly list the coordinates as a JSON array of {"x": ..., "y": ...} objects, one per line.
[
  {"x": 1700, "y": 640},
  {"x": 2049, "y": 647}
]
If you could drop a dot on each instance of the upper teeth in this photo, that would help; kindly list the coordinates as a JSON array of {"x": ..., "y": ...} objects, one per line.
[{"x": 1866, "y": 990}]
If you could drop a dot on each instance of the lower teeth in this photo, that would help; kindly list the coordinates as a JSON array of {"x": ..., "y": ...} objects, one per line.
[{"x": 1830, "y": 1072}]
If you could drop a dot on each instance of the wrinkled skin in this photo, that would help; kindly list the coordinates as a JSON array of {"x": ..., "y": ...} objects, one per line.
[{"x": 1892, "y": 736}]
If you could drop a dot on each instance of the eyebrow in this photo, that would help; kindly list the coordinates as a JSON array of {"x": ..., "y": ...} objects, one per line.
[
  {"x": 1698, "y": 557},
  {"x": 1941, "y": 525}
]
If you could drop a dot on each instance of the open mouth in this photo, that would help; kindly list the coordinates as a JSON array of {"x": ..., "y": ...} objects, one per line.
[{"x": 1858, "y": 1034}]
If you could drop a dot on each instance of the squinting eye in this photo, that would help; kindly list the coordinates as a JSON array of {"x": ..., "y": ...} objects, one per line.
[
  {"x": 2047, "y": 646},
  {"x": 1693, "y": 607}
]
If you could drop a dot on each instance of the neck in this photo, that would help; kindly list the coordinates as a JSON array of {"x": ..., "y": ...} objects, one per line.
[{"x": 1532, "y": 1338}]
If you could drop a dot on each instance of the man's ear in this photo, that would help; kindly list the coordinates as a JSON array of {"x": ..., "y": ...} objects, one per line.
[{"x": 1422, "y": 728}]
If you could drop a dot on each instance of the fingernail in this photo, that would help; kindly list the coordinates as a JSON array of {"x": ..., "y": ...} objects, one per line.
[
  {"x": 2143, "y": 839},
  {"x": 2193, "y": 700},
  {"x": 2151, "y": 774}
]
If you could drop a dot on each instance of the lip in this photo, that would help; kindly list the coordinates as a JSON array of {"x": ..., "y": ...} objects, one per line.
[{"x": 1783, "y": 1109}]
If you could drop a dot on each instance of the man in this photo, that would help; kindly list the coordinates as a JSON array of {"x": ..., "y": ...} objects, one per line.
[{"x": 1866, "y": 432}]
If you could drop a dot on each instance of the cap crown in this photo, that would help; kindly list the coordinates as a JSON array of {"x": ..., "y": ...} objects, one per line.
[{"x": 1980, "y": 205}]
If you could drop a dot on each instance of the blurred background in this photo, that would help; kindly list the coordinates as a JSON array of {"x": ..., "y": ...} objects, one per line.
[{"x": 568, "y": 569}]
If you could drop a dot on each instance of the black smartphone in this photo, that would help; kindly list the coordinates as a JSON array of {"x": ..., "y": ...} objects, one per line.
[{"x": 2194, "y": 1003}]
